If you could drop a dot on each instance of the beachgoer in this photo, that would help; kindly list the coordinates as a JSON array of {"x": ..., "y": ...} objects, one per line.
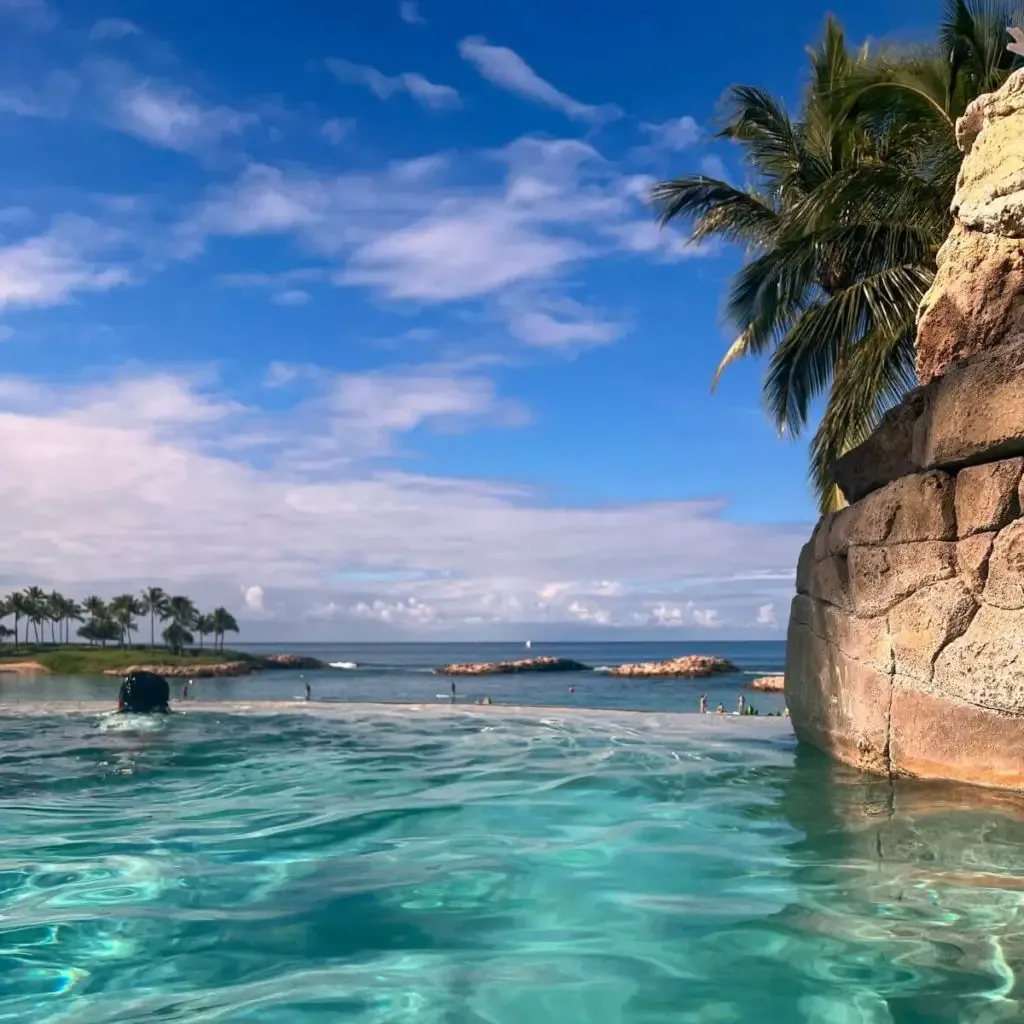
[
  {"x": 741, "y": 705},
  {"x": 703, "y": 703},
  {"x": 453, "y": 691},
  {"x": 572, "y": 689},
  {"x": 144, "y": 693},
  {"x": 309, "y": 692},
  {"x": 184, "y": 691},
  {"x": 720, "y": 710}
]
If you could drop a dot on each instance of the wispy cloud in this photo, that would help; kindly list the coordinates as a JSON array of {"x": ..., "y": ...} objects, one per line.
[
  {"x": 421, "y": 89},
  {"x": 49, "y": 269},
  {"x": 337, "y": 129},
  {"x": 507, "y": 70},
  {"x": 419, "y": 552},
  {"x": 409, "y": 11},
  {"x": 676, "y": 134},
  {"x": 36, "y": 14},
  {"x": 113, "y": 28}
]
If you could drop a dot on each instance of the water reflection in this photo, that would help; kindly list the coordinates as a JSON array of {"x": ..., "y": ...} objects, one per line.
[{"x": 917, "y": 888}]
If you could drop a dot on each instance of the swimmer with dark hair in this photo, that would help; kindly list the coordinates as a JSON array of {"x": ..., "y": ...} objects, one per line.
[{"x": 144, "y": 693}]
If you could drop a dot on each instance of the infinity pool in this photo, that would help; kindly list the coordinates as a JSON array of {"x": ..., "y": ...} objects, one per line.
[{"x": 514, "y": 867}]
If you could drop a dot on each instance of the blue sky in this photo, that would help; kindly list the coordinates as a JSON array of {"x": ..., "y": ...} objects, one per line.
[{"x": 352, "y": 316}]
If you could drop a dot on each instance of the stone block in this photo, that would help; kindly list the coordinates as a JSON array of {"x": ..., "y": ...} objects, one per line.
[
  {"x": 913, "y": 508},
  {"x": 985, "y": 666},
  {"x": 987, "y": 496},
  {"x": 888, "y": 454},
  {"x": 805, "y": 568},
  {"x": 863, "y": 640},
  {"x": 880, "y": 577},
  {"x": 933, "y": 738},
  {"x": 837, "y": 704},
  {"x": 922, "y": 625},
  {"x": 830, "y": 582},
  {"x": 972, "y": 556},
  {"x": 976, "y": 411},
  {"x": 1004, "y": 587},
  {"x": 974, "y": 301}
]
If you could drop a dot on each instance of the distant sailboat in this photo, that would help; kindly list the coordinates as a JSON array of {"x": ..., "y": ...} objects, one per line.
[{"x": 529, "y": 643}]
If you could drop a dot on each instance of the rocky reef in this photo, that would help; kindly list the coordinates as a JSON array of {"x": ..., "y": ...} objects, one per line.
[
  {"x": 209, "y": 670},
  {"x": 905, "y": 651},
  {"x": 768, "y": 684},
  {"x": 691, "y": 666},
  {"x": 498, "y": 668}
]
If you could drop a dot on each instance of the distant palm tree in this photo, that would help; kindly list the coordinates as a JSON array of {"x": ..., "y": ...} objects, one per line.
[
  {"x": 95, "y": 606},
  {"x": 5, "y": 632},
  {"x": 182, "y": 610},
  {"x": 154, "y": 604},
  {"x": 19, "y": 609},
  {"x": 35, "y": 601},
  {"x": 73, "y": 612},
  {"x": 204, "y": 626},
  {"x": 223, "y": 622},
  {"x": 55, "y": 602},
  {"x": 176, "y": 636},
  {"x": 123, "y": 610}
]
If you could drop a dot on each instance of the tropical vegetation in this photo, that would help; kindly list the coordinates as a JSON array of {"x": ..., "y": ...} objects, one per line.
[
  {"x": 847, "y": 204},
  {"x": 40, "y": 617}
]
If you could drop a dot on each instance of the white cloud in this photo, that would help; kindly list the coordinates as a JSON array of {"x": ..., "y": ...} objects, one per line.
[
  {"x": 713, "y": 167},
  {"x": 253, "y": 598},
  {"x": 174, "y": 118},
  {"x": 52, "y": 100},
  {"x": 49, "y": 269},
  {"x": 35, "y": 14},
  {"x": 113, "y": 28},
  {"x": 425, "y": 92},
  {"x": 562, "y": 324},
  {"x": 409, "y": 11},
  {"x": 336, "y": 129},
  {"x": 766, "y": 616},
  {"x": 291, "y": 297},
  {"x": 178, "y": 503},
  {"x": 675, "y": 134},
  {"x": 507, "y": 70}
]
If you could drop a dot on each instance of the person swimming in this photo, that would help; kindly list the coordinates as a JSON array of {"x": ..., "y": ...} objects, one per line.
[{"x": 144, "y": 693}]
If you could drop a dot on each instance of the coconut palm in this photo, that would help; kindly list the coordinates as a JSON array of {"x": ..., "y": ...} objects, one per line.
[
  {"x": 848, "y": 206},
  {"x": 154, "y": 604},
  {"x": 18, "y": 607},
  {"x": 5, "y": 632},
  {"x": 35, "y": 604},
  {"x": 73, "y": 612},
  {"x": 223, "y": 622},
  {"x": 181, "y": 610},
  {"x": 55, "y": 602},
  {"x": 122, "y": 611},
  {"x": 176, "y": 636}
]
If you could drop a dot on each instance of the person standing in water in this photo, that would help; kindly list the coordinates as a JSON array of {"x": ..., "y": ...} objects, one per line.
[
  {"x": 703, "y": 703},
  {"x": 453, "y": 691},
  {"x": 741, "y": 705},
  {"x": 309, "y": 692}
]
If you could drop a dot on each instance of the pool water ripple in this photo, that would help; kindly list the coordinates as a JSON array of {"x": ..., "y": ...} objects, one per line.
[{"x": 466, "y": 867}]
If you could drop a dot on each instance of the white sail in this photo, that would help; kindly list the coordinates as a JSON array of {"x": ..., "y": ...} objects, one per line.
[{"x": 529, "y": 643}]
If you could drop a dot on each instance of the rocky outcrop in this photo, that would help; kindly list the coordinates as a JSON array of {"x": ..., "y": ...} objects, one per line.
[
  {"x": 689, "y": 666},
  {"x": 289, "y": 661},
  {"x": 201, "y": 670},
  {"x": 769, "y": 684},
  {"x": 905, "y": 651},
  {"x": 498, "y": 668}
]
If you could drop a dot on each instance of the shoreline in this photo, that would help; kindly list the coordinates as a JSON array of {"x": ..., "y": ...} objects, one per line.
[{"x": 339, "y": 709}]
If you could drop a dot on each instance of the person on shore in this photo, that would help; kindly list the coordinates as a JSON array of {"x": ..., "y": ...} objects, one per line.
[
  {"x": 453, "y": 691},
  {"x": 703, "y": 703},
  {"x": 720, "y": 710},
  {"x": 309, "y": 692},
  {"x": 741, "y": 705}
]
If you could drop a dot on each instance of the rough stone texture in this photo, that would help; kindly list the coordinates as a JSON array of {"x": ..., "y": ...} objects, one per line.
[
  {"x": 972, "y": 557},
  {"x": 975, "y": 412},
  {"x": 882, "y": 576},
  {"x": 887, "y": 454},
  {"x": 974, "y": 302},
  {"x": 925, "y": 623},
  {"x": 987, "y": 496},
  {"x": 1004, "y": 587},
  {"x": 905, "y": 650}
]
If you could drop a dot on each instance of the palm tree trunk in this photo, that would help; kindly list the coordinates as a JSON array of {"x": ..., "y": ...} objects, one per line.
[
  {"x": 16, "y": 617},
  {"x": 152, "y": 627}
]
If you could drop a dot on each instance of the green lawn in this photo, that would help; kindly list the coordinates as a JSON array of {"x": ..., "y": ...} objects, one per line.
[{"x": 81, "y": 659}]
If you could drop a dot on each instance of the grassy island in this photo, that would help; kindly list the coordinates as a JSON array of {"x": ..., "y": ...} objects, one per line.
[{"x": 84, "y": 659}]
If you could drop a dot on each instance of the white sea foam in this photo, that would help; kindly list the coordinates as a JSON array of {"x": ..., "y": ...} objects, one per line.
[
  {"x": 343, "y": 664},
  {"x": 605, "y": 668},
  {"x": 116, "y": 721}
]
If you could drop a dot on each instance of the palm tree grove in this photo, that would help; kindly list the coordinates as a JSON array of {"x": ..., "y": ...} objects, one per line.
[
  {"x": 846, "y": 205},
  {"x": 39, "y": 618}
]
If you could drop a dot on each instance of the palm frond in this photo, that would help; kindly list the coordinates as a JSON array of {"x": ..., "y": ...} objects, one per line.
[{"x": 716, "y": 209}]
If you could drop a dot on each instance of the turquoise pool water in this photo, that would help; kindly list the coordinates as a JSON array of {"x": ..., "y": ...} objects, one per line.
[{"x": 461, "y": 866}]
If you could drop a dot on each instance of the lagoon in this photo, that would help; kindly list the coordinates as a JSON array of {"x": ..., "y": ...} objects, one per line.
[{"x": 253, "y": 862}]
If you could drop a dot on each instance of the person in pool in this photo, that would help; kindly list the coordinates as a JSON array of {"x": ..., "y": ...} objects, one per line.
[{"x": 144, "y": 693}]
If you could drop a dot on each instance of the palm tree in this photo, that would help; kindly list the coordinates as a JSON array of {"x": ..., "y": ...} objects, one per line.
[
  {"x": 95, "y": 607},
  {"x": 123, "y": 610},
  {"x": 848, "y": 207},
  {"x": 154, "y": 604},
  {"x": 181, "y": 610},
  {"x": 203, "y": 626},
  {"x": 5, "y": 632},
  {"x": 176, "y": 636},
  {"x": 35, "y": 603},
  {"x": 73, "y": 612},
  {"x": 19, "y": 609},
  {"x": 223, "y": 622},
  {"x": 54, "y": 612}
]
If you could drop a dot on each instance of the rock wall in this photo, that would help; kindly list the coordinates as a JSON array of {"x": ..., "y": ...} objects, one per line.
[{"x": 905, "y": 650}]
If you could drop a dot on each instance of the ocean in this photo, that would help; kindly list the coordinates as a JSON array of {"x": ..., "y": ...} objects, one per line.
[
  {"x": 245, "y": 861},
  {"x": 403, "y": 673}
]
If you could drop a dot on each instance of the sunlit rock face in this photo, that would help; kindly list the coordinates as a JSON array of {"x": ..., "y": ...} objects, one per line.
[{"x": 905, "y": 651}]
